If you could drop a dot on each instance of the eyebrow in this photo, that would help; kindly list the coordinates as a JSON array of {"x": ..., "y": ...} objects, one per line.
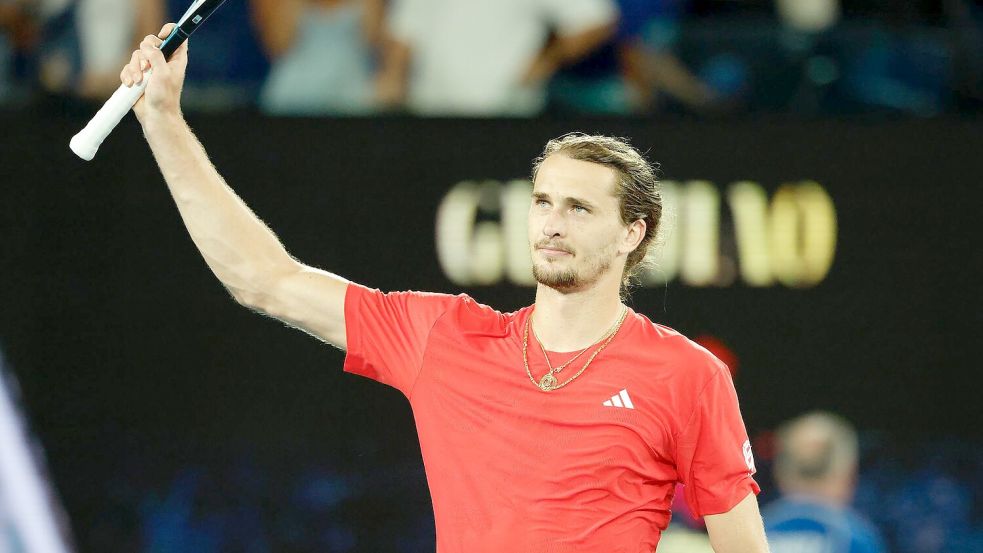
[{"x": 568, "y": 199}]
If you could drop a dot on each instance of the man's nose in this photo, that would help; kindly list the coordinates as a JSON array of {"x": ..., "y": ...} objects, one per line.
[{"x": 555, "y": 223}]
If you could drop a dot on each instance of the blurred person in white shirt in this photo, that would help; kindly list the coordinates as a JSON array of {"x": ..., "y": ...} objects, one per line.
[
  {"x": 322, "y": 54},
  {"x": 82, "y": 55},
  {"x": 485, "y": 57}
]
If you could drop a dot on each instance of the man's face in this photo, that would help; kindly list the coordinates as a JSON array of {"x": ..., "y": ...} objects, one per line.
[{"x": 574, "y": 223}]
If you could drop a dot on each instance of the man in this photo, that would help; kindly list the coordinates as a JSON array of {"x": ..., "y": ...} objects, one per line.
[
  {"x": 485, "y": 57},
  {"x": 522, "y": 453},
  {"x": 816, "y": 471},
  {"x": 636, "y": 70},
  {"x": 83, "y": 41}
]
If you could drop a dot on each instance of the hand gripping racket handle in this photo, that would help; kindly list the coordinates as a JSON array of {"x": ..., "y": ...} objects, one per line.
[{"x": 86, "y": 143}]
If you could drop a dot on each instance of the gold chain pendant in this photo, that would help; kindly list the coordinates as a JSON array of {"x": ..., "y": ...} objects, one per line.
[{"x": 549, "y": 382}]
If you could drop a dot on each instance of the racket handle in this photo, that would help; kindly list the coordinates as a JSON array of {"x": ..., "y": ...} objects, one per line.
[{"x": 86, "y": 143}]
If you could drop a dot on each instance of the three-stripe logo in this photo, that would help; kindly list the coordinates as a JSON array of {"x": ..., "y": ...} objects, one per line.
[{"x": 620, "y": 399}]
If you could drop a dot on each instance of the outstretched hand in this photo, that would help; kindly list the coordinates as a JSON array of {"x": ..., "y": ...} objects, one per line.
[{"x": 163, "y": 94}]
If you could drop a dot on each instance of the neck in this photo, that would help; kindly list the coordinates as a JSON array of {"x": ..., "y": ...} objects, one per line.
[{"x": 570, "y": 321}]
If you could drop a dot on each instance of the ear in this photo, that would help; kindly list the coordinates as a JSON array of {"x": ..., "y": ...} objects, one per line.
[{"x": 634, "y": 233}]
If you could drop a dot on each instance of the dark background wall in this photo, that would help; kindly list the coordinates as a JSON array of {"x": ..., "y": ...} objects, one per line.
[{"x": 135, "y": 362}]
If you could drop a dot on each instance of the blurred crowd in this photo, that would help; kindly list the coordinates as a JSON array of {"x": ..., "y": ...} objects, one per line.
[
  {"x": 824, "y": 489},
  {"x": 517, "y": 57}
]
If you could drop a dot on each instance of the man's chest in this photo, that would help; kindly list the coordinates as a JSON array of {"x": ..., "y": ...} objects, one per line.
[{"x": 481, "y": 396}]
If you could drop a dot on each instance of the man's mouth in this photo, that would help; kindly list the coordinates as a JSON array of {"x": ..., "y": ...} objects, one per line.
[{"x": 553, "y": 251}]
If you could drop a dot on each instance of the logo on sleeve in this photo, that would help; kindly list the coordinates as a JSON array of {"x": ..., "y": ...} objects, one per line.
[{"x": 749, "y": 458}]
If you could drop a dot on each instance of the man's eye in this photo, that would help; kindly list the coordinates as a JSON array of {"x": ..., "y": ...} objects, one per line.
[{"x": 581, "y": 208}]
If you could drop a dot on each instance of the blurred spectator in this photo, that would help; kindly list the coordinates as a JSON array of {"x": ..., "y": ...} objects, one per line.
[
  {"x": 86, "y": 42},
  {"x": 17, "y": 34},
  {"x": 816, "y": 466},
  {"x": 228, "y": 63},
  {"x": 482, "y": 57},
  {"x": 322, "y": 52},
  {"x": 636, "y": 70},
  {"x": 485, "y": 57}
]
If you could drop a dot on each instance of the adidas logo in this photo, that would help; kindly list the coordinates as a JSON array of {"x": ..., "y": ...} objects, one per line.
[{"x": 620, "y": 399}]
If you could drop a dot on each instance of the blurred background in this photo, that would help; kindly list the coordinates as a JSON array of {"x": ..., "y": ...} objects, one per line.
[
  {"x": 711, "y": 58},
  {"x": 821, "y": 162}
]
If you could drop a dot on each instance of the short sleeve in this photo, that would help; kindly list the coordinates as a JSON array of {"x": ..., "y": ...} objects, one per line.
[
  {"x": 387, "y": 333},
  {"x": 574, "y": 16},
  {"x": 713, "y": 453}
]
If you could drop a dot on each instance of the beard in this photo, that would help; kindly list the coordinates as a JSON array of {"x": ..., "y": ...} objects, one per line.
[
  {"x": 561, "y": 279},
  {"x": 569, "y": 278}
]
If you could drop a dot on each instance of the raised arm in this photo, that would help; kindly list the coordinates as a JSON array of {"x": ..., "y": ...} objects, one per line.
[{"x": 239, "y": 248}]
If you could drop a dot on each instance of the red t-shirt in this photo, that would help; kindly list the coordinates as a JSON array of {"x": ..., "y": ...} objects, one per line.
[{"x": 589, "y": 467}]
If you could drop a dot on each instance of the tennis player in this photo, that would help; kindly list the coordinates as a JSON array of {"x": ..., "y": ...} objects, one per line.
[{"x": 561, "y": 427}]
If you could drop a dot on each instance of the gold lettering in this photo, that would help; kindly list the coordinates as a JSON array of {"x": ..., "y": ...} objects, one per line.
[
  {"x": 803, "y": 234},
  {"x": 481, "y": 235},
  {"x": 749, "y": 208},
  {"x": 469, "y": 252},
  {"x": 516, "y": 200},
  {"x": 700, "y": 220}
]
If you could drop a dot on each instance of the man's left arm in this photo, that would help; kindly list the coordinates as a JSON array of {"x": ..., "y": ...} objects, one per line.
[{"x": 739, "y": 530}]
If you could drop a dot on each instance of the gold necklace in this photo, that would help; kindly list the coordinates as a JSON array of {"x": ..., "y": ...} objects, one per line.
[
  {"x": 571, "y": 360},
  {"x": 549, "y": 382}
]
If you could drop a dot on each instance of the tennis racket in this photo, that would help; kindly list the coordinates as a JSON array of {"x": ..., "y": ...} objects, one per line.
[{"x": 86, "y": 143}]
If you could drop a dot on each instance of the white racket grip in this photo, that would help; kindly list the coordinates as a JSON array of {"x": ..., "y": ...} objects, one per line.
[{"x": 86, "y": 143}]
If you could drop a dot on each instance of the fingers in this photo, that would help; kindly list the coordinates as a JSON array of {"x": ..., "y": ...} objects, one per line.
[
  {"x": 126, "y": 75},
  {"x": 147, "y": 56},
  {"x": 151, "y": 41},
  {"x": 150, "y": 51},
  {"x": 132, "y": 72},
  {"x": 166, "y": 30}
]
